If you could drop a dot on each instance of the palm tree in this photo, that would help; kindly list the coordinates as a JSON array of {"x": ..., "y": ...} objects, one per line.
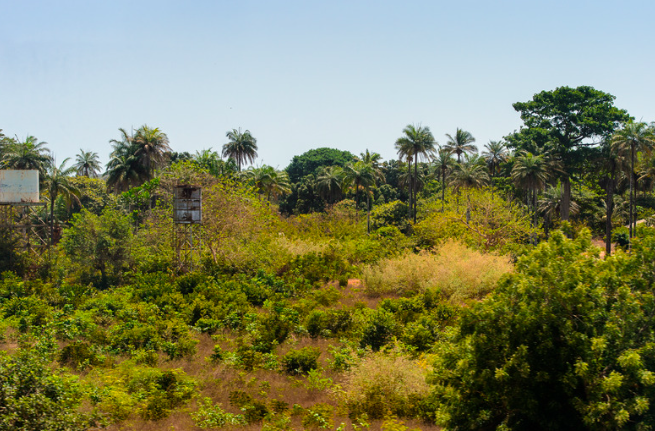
[
  {"x": 123, "y": 172},
  {"x": 241, "y": 147},
  {"x": 329, "y": 182},
  {"x": 461, "y": 143},
  {"x": 58, "y": 183},
  {"x": 151, "y": 148},
  {"x": 417, "y": 142},
  {"x": 632, "y": 138},
  {"x": 550, "y": 204},
  {"x": 530, "y": 172},
  {"x": 28, "y": 154},
  {"x": 267, "y": 179},
  {"x": 443, "y": 165},
  {"x": 495, "y": 153},
  {"x": 470, "y": 174},
  {"x": 373, "y": 159},
  {"x": 87, "y": 164},
  {"x": 359, "y": 174}
]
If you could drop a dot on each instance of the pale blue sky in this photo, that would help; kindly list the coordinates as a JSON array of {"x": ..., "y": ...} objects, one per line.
[{"x": 307, "y": 74}]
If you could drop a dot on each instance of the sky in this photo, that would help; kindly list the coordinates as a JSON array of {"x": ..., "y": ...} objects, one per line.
[{"x": 307, "y": 74}]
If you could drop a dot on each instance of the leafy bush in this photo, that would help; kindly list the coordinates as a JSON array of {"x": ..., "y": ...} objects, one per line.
[
  {"x": 391, "y": 214},
  {"x": 301, "y": 361},
  {"x": 33, "y": 397},
  {"x": 379, "y": 329},
  {"x": 562, "y": 344},
  {"x": 457, "y": 271},
  {"x": 213, "y": 416},
  {"x": 78, "y": 353}
]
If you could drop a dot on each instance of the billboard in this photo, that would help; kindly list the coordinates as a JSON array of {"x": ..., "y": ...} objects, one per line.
[
  {"x": 19, "y": 186},
  {"x": 187, "y": 204}
]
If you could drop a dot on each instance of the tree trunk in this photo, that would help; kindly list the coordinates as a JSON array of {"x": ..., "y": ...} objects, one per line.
[
  {"x": 52, "y": 220},
  {"x": 609, "y": 209},
  {"x": 409, "y": 171},
  {"x": 534, "y": 211},
  {"x": 368, "y": 213},
  {"x": 632, "y": 169},
  {"x": 415, "y": 184},
  {"x": 566, "y": 198},
  {"x": 443, "y": 188}
]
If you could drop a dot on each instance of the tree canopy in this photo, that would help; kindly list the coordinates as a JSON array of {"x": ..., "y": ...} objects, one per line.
[{"x": 311, "y": 161}]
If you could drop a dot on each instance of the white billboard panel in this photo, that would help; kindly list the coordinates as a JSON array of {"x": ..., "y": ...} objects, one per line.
[{"x": 19, "y": 186}]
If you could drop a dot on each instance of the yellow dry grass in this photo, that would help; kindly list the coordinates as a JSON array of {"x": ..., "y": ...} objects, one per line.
[{"x": 456, "y": 270}]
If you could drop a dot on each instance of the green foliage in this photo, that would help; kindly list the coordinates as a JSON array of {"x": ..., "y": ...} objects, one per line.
[
  {"x": 310, "y": 161},
  {"x": 380, "y": 327},
  {"x": 301, "y": 361},
  {"x": 99, "y": 247},
  {"x": 560, "y": 345},
  {"x": 34, "y": 397},
  {"x": 390, "y": 214},
  {"x": 479, "y": 219},
  {"x": 213, "y": 416}
]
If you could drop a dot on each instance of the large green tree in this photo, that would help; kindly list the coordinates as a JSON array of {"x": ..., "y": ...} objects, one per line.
[
  {"x": 564, "y": 343},
  {"x": 571, "y": 120},
  {"x": 310, "y": 162}
]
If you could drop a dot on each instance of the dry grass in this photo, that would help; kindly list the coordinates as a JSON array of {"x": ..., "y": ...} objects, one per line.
[
  {"x": 298, "y": 247},
  {"x": 385, "y": 383},
  {"x": 459, "y": 272}
]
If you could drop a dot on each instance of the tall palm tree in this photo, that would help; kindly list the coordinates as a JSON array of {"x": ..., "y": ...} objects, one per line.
[
  {"x": 87, "y": 164},
  {"x": 329, "y": 182},
  {"x": 443, "y": 165},
  {"x": 359, "y": 175},
  {"x": 373, "y": 159},
  {"x": 495, "y": 153},
  {"x": 151, "y": 147},
  {"x": 530, "y": 172},
  {"x": 58, "y": 184},
  {"x": 242, "y": 147},
  {"x": 632, "y": 138},
  {"x": 27, "y": 154},
  {"x": 417, "y": 142},
  {"x": 461, "y": 143}
]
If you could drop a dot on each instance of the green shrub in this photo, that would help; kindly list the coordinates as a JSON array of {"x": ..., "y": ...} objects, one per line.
[
  {"x": 379, "y": 330},
  {"x": 318, "y": 416},
  {"x": 78, "y": 353},
  {"x": 392, "y": 214},
  {"x": 301, "y": 361},
  {"x": 213, "y": 416}
]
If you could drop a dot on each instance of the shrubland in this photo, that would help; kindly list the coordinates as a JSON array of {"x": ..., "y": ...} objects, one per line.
[{"x": 309, "y": 322}]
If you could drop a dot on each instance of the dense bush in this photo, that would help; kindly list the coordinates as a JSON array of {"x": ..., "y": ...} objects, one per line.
[
  {"x": 564, "y": 343},
  {"x": 301, "y": 361}
]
